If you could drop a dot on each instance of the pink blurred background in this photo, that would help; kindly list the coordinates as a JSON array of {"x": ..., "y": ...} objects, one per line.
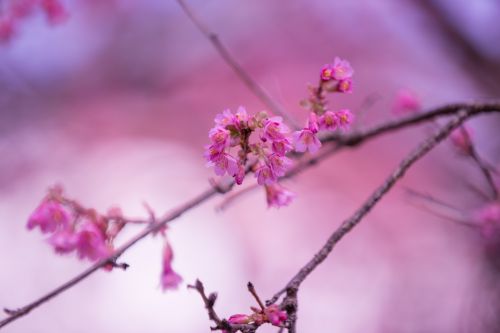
[{"x": 115, "y": 105}]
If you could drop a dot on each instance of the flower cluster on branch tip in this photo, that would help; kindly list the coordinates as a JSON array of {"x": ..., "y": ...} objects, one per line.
[
  {"x": 14, "y": 12},
  {"x": 71, "y": 228},
  {"x": 261, "y": 141}
]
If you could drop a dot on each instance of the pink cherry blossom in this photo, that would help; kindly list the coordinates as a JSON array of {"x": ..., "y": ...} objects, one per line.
[
  {"x": 328, "y": 121},
  {"x": 274, "y": 129},
  {"x": 281, "y": 147},
  {"x": 54, "y": 10},
  {"x": 345, "y": 86},
  {"x": 278, "y": 196},
  {"x": 219, "y": 137},
  {"x": 49, "y": 216},
  {"x": 406, "y": 102},
  {"x": 345, "y": 118},
  {"x": 326, "y": 73},
  {"x": 240, "y": 175},
  {"x": 275, "y": 316},
  {"x": 63, "y": 241},
  {"x": 306, "y": 139},
  {"x": 239, "y": 319},
  {"x": 6, "y": 30},
  {"x": 265, "y": 175},
  {"x": 279, "y": 164},
  {"x": 241, "y": 115},
  {"x": 488, "y": 217},
  {"x": 169, "y": 278},
  {"x": 312, "y": 122},
  {"x": 461, "y": 138},
  {"x": 225, "y": 163},
  {"x": 225, "y": 118},
  {"x": 90, "y": 241},
  {"x": 341, "y": 69}
]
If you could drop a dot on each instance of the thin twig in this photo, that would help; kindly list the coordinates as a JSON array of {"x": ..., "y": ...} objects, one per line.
[
  {"x": 485, "y": 171},
  {"x": 253, "y": 86}
]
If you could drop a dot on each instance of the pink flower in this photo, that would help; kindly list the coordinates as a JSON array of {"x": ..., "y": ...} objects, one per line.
[
  {"x": 345, "y": 118},
  {"x": 305, "y": 140},
  {"x": 461, "y": 138},
  {"x": 406, "y": 102},
  {"x": 54, "y": 11},
  {"x": 219, "y": 137},
  {"x": 225, "y": 118},
  {"x": 6, "y": 30},
  {"x": 49, "y": 216},
  {"x": 328, "y": 121},
  {"x": 278, "y": 196},
  {"x": 221, "y": 161},
  {"x": 312, "y": 122},
  {"x": 274, "y": 129},
  {"x": 240, "y": 175},
  {"x": 239, "y": 319},
  {"x": 225, "y": 163},
  {"x": 22, "y": 8},
  {"x": 341, "y": 69},
  {"x": 279, "y": 164},
  {"x": 90, "y": 242},
  {"x": 488, "y": 218},
  {"x": 265, "y": 175},
  {"x": 63, "y": 241},
  {"x": 281, "y": 147},
  {"x": 326, "y": 73},
  {"x": 275, "y": 316},
  {"x": 241, "y": 115},
  {"x": 345, "y": 86},
  {"x": 169, "y": 279}
]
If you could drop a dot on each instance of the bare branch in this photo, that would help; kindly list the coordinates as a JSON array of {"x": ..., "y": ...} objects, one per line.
[{"x": 253, "y": 86}]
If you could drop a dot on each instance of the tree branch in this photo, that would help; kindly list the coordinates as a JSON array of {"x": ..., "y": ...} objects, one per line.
[{"x": 253, "y": 86}]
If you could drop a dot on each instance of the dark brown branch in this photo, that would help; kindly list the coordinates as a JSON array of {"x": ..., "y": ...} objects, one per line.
[
  {"x": 209, "y": 302},
  {"x": 221, "y": 324},
  {"x": 292, "y": 286},
  {"x": 253, "y": 86},
  {"x": 398, "y": 124}
]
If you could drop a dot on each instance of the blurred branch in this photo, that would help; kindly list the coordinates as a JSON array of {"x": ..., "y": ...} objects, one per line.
[
  {"x": 429, "y": 198},
  {"x": 481, "y": 69},
  {"x": 253, "y": 86},
  {"x": 485, "y": 171},
  {"x": 337, "y": 142}
]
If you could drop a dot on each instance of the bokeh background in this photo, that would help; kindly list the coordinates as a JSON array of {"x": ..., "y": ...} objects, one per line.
[{"x": 115, "y": 105}]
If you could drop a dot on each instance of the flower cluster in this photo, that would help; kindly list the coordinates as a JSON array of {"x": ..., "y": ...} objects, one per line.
[
  {"x": 259, "y": 142},
  {"x": 15, "y": 11},
  {"x": 75, "y": 229},
  {"x": 336, "y": 77},
  {"x": 241, "y": 143},
  {"x": 271, "y": 314}
]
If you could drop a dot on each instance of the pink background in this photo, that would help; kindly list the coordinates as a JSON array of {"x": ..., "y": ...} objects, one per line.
[{"x": 116, "y": 104}]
